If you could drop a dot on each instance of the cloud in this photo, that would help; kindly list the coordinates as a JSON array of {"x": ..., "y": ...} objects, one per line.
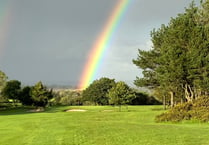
[
  {"x": 50, "y": 40},
  {"x": 118, "y": 62}
]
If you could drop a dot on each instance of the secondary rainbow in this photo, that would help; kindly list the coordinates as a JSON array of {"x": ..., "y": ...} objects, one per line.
[
  {"x": 102, "y": 44},
  {"x": 5, "y": 21}
]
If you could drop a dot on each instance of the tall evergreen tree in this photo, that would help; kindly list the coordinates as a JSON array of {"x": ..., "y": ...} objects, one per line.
[
  {"x": 40, "y": 95},
  {"x": 178, "y": 62}
]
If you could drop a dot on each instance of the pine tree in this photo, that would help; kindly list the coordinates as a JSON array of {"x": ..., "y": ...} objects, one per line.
[
  {"x": 40, "y": 95},
  {"x": 178, "y": 62}
]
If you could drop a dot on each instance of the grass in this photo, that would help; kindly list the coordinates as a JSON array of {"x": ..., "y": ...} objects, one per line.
[{"x": 96, "y": 127}]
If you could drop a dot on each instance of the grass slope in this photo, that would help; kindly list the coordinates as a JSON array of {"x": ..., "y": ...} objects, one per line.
[{"x": 96, "y": 127}]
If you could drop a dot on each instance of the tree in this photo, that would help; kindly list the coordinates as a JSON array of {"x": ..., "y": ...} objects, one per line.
[
  {"x": 12, "y": 90},
  {"x": 199, "y": 66},
  {"x": 97, "y": 91},
  {"x": 40, "y": 95},
  {"x": 120, "y": 94},
  {"x": 3, "y": 79},
  {"x": 178, "y": 62},
  {"x": 204, "y": 12},
  {"x": 25, "y": 96}
]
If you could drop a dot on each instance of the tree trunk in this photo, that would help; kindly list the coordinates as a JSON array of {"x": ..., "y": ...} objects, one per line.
[
  {"x": 189, "y": 93},
  {"x": 172, "y": 102},
  {"x": 164, "y": 102}
]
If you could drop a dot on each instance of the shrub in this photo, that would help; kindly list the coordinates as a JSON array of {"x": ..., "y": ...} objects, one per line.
[
  {"x": 67, "y": 97},
  {"x": 202, "y": 102},
  {"x": 178, "y": 113},
  {"x": 197, "y": 110}
]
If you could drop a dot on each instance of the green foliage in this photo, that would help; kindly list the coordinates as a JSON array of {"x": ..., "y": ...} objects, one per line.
[
  {"x": 37, "y": 95},
  {"x": 200, "y": 109},
  {"x": 178, "y": 113},
  {"x": 67, "y": 97},
  {"x": 178, "y": 62},
  {"x": 3, "y": 79},
  {"x": 106, "y": 91},
  {"x": 197, "y": 110},
  {"x": 40, "y": 95},
  {"x": 25, "y": 96},
  {"x": 12, "y": 90},
  {"x": 121, "y": 94},
  {"x": 97, "y": 91}
]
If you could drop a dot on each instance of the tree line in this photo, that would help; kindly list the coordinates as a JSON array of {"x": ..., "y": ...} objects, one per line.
[
  {"x": 11, "y": 91},
  {"x": 103, "y": 91},
  {"x": 177, "y": 66}
]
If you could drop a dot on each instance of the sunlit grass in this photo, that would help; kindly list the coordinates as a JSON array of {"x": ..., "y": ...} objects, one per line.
[{"x": 135, "y": 126}]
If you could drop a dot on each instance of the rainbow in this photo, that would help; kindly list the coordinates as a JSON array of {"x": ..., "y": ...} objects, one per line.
[
  {"x": 5, "y": 21},
  {"x": 102, "y": 44}
]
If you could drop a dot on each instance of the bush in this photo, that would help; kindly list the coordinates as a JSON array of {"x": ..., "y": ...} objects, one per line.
[
  {"x": 198, "y": 110},
  {"x": 67, "y": 97},
  {"x": 201, "y": 109},
  {"x": 202, "y": 102},
  {"x": 178, "y": 113}
]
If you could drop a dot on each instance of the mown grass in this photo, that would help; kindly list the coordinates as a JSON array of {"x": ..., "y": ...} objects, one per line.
[{"x": 96, "y": 127}]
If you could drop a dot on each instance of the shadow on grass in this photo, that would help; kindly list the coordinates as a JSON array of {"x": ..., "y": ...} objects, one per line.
[
  {"x": 54, "y": 109},
  {"x": 25, "y": 110},
  {"x": 30, "y": 110},
  {"x": 158, "y": 109},
  {"x": 14, "y": 111}
]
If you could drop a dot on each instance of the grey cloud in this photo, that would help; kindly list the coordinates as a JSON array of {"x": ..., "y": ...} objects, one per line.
[{"x": 49, "y": 40}]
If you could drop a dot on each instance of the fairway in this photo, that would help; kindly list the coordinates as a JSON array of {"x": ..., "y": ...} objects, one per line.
[{"x": 98, "y": 125}]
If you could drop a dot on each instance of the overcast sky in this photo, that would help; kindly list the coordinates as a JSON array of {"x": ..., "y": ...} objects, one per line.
[{"x": 49, "y": 40}]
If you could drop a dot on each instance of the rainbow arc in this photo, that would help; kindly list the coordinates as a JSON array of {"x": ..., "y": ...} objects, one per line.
[
  {"x": 102, "y": 44},
  {"x": 5, "y": 22}
]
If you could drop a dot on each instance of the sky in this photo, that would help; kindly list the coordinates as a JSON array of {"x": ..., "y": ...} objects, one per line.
[{"x": 49, "y": 40}]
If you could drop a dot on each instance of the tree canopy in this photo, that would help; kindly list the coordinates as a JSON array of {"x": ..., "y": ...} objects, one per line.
[
  {"x": 25, "y": 96},
  {"x": 40, "y": 95},
  {"x": 3, "y": 79},
  {"x": 121, "y": 94},
  {"x": 97, "y": 91},
  {"x": 12, "y": 90},
  {"x": 178, "y": 62}
]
